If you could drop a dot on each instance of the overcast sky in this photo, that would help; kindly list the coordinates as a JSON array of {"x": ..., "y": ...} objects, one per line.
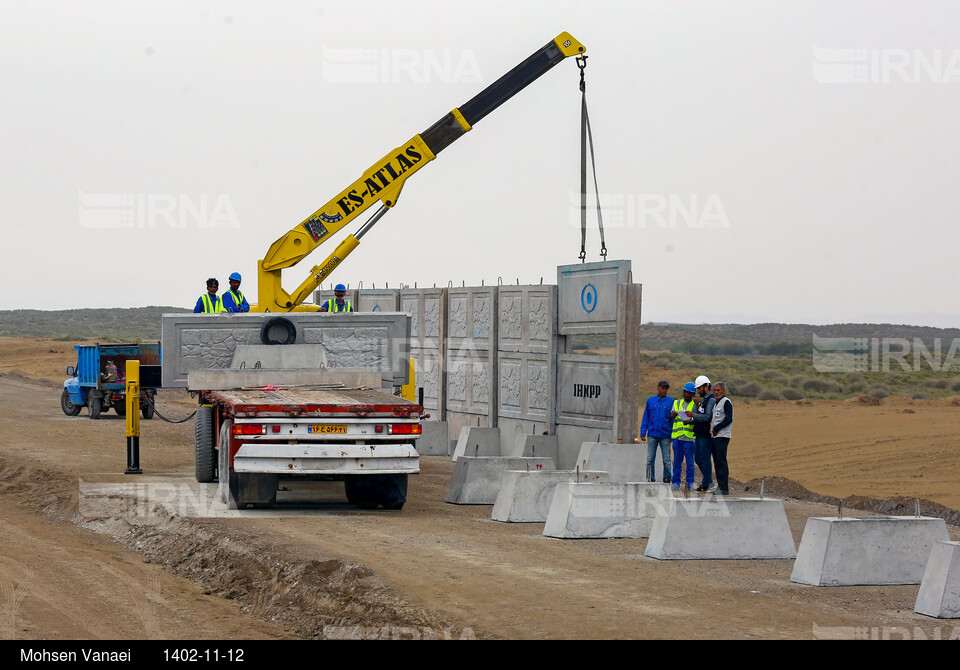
[{"x": 759, "y": 161}]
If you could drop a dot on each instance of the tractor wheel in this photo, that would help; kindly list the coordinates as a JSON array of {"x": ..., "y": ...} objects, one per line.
[{"x": 94, "y": 406}]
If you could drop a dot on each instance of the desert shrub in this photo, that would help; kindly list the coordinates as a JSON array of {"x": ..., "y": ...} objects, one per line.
[
  {"x": 791, "y": 394},
  {"x": 774, "y": 376},
  {"x": 821, "y": 386},
  {"x": 796, "y": 381},
  {"x": 662, "y": 361},
  {"x": 918, "y": 396},
  {"x": 855, "y": 387},
  {"x": 955, "y": 386},
  {"x": 749, "y": 390},
  {"x": 853, "y": 377},
  {"x": 940, "y": 384},
  {"x": 879, "y": 391},
  {"x": 768, "y": 395}
]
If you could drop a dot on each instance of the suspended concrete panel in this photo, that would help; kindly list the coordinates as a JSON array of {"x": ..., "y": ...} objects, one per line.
[{"x": 588, "y": 296}]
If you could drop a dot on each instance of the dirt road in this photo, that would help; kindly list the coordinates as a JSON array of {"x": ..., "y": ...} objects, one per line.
[{"x": 433, "y": 569}]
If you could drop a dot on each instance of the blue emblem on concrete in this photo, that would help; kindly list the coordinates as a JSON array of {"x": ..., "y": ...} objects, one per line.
[
  {"x": 588, "y": 298},
  {"x": 376, "y": 308}
]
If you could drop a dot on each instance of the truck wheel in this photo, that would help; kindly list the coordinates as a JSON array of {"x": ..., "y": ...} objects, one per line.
[
  {"x": 94, "y": 406},
  {"x": 121, "y": 408},
  {"x": 203, "y": 445},
  {"x": 67, "y": 405},
  {"x": 147, "y": 410},
  {"x": 228, "y": 479}
]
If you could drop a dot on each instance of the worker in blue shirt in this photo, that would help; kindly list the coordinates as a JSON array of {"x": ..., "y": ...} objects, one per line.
[
  {"x": 659, "y": 426},
  {"x": 337, "y": 304},
  {"x": 209, "y": 302},
  {"x": 233, "y": 300}
]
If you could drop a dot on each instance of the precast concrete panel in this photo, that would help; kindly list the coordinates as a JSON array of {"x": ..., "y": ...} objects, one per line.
[
  {"x": 586, "y": 390},
  {"x": 429, "y": 377},
  {"x": 362, "y": 341},
  {"x": 587, "y": 296},
  {"x": 378, "y": 300},
  {"x": 939, "y": 594},
  {"x": 427, "y": 308},
  {"x": 527, "y": 319}
]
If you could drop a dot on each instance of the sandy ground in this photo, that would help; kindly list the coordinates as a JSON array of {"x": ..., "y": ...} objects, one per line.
[{"x": 433, "y": 569}]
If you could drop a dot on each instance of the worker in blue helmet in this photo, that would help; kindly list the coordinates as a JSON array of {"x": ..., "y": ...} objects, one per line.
[
  {"x": 338, "y": 303},
  {"x": 233, "y": 300}
]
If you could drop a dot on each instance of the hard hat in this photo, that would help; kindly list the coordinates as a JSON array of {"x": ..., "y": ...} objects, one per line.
[
  {"x": 701, "y": 380},
  {"x": 689, "y": 387},
  {"x": 235, "y": 277},
  {"x": 339, "y": 287}
]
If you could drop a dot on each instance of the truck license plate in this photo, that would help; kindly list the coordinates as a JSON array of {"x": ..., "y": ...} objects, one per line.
[{"x": 327, "y": 429}]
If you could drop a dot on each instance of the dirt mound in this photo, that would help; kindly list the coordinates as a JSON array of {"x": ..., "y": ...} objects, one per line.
[
  {"x": 866, "y": 400},
  {"x": 303, "y": 593},
  {"x": 897, "y": 506}
]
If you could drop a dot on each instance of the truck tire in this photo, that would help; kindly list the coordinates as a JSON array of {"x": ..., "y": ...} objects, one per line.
[
  {"x": 94, "y": 406},
  {"x": 228, "y": 479},
  {"x": 67, "y": 405},
  {"x": 121, "y": 408},
  {"x": 146, "y": 408},
  {"x": 204, "y": 447}
]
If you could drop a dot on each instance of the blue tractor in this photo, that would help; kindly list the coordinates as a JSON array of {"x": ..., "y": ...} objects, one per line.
[{"x": 98, "y": 382}]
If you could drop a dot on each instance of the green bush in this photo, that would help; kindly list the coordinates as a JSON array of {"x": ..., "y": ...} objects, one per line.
[
  {"x": 879, "y": 391},
  {"x": 749, "y": 390},
  {"x": 768, "y": 395},
  {"x": 821, "y": 386},
  {"x": 791, "y": 394}
]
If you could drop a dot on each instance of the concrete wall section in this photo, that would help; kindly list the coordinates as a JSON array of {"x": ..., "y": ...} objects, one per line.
[
  {"x": 427, "y": 309},
  {"x": 940, "y": 589},
  {"x": 587, "y": 296},
  {"x": 525, "y": 496},
  {"x": 866, "y": 550},
  {"x": 605, "y": 509},
  {"x": 586, "y": 394},
  {"x": 476, "y": 481},
  {"x": 207, "y": 341},
  {"x": 378, "y": 300},
  {"x": 571, "y": 438},
  {"x": 721, "y": 528}
]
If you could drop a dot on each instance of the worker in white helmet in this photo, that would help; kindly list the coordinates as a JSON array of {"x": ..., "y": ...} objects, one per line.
[{"x": 703, "y": 451}]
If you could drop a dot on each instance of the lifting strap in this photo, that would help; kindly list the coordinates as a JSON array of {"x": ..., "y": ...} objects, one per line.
[{"x": 586, "y": 136}]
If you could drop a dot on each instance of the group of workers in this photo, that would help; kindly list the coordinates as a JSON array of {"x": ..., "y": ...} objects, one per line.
[
  {"x": 233, "y": 301},
  {"x": 699, "y": 430}
]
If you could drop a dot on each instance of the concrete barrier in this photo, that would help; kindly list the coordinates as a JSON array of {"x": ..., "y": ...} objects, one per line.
[
  {"x": 940, "y": 589},
  {"x": 624, "y": 462},
  {"x": 433, "y": 439},
  {"x": 525, "y": 496},
  {"x": 545, "y": 446},
  {"x": 476, "y": 481},
  {"x": 717, "y": 527},
  {"x": 605, "y": 509},
  {"x": 475, "y": 441},
  {"x": 854, "y": 551}
]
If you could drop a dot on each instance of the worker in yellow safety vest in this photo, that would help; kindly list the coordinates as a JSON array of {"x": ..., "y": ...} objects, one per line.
[
  {"x": 337, "y": 304},
  {"x": 683, "y": 437},
  {"x": 210, "y": 302}
]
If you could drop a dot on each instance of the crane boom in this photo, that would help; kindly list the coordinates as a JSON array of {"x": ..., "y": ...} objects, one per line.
[{"x": 384, "y": 180}]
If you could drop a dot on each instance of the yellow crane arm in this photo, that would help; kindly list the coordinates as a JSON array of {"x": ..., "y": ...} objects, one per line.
[{"x": 383, "y": 181}]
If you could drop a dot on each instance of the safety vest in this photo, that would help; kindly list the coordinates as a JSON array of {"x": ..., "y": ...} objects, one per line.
[
  {"x": 332, "y": 306},
  {"x": 682, "y": 431},
  {"x": 237, "y": 299},
  {"x": 212, "y": 306}
]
